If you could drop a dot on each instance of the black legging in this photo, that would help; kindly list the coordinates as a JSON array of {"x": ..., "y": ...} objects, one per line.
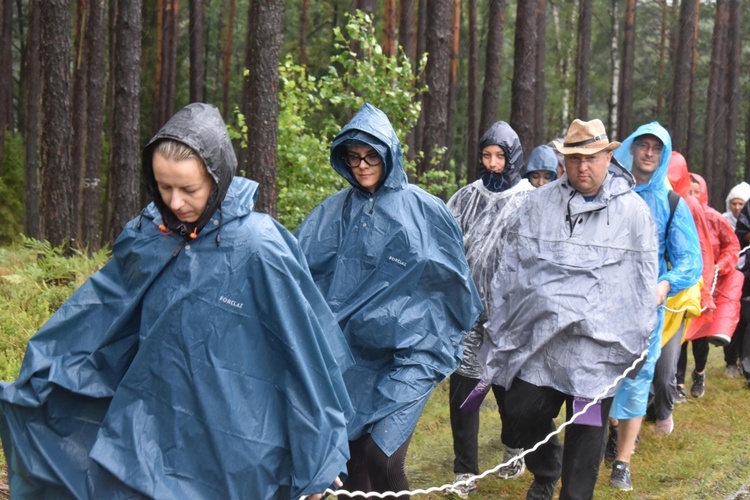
[{"x": 372, "y": 470}]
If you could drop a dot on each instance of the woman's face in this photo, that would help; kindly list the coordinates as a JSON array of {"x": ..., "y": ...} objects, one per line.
[
  {"x": 493, "y": 158},
  {"x": 695, "y": 190},
  {"x": 735, "y": 205},
  {"x": 184, "y": 186},
  {"x": 540, "y": 177},
  {"x": 360, "y": 160}
]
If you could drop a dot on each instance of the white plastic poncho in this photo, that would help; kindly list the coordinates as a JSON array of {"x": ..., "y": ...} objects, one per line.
[{"x": 573, "y": 300}]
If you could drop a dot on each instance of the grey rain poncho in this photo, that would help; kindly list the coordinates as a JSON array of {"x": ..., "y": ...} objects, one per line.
[
  {"x": 478, "y": 211},
  {"x": 573, "y": 300}
]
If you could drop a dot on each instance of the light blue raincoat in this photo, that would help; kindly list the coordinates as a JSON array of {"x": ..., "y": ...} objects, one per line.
[
  {"x": 391, "y": 266},
  {"x": 185, "y": 368},
  {"x": 541, "y": 158},
  {"x": 684, "y": 254}
]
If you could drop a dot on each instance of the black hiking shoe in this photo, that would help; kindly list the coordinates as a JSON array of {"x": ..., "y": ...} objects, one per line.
[
  {"x": 699, "y": 385},
  {"x": 620, "y": 477}
]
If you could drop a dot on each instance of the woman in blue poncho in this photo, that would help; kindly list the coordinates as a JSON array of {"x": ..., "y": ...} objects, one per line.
[
  {"x": 388, "y": 257},
  {"x": 200, "y": 362}
]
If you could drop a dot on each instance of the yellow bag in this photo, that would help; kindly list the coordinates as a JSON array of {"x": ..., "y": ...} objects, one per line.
[{"x": 689, "y": 300}]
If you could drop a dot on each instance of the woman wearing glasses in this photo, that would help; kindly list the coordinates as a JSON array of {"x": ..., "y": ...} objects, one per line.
[{"x": 388, "y": 258}]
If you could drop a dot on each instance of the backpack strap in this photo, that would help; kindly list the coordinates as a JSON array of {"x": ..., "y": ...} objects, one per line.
[{"x": 674, "y": 199}]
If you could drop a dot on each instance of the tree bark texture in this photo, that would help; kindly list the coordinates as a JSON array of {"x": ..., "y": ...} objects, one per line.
[
  {"x": 197, "y": 47},
  {"x": 437, "y": 77},
  {"x": 492, "y": 67},
  {"x": 583, "y": 61},
  {"x": 263, "y": 99},
  {"x": 303, "y": 16},
  {"x": 732, "y": 98},
  {"x": 6, "y": 74},
  {"x": 626, "y": 76},
  {"x": 406, "y": 29},
  {"x": 125, "y": 155},
  {"x": 472, "y": 84},
  {"x": 691, "y": 146},
  {"x": 523, "y": 84},
  {"x": 421, "y": 49},
  {"x": 662, "y": 55},
  {"x": 226, "y": 52},
  {"x": 33, "y": 95},
  {"x": 453, "y": 82},
  {"x": 713, "y": 141},
  {"x": 78, "y": 113},
  {"x": 56, "y": 175},
  {"x": 168, "y": 62},
  {"x": 614, "y": 89},
  {"x": 678, "y": 123},
  {"x": 539, "y": 92},
  {"x": 390, "y": 36},
  {"x": 95, "y": 80}
]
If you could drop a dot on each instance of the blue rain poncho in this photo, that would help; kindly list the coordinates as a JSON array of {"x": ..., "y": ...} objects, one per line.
[
  {"x": 684, "y": 254},
  {"x": 208, "y": 368},
  {"x": 574, "y": 297},
  {"x": 478, "y": 211},
  {"x": 392, "y": 268}
]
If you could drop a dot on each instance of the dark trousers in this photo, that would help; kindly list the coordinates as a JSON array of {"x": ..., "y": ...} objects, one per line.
[
  {"x": 372, "y": 470},
  {"x": 700, "y": 353},
  {"x": 465, "y": 425},
  {"x": 665, "y": 382},
  {"x": 530, "y": 411},
  {"x": 739, "y": 347}
]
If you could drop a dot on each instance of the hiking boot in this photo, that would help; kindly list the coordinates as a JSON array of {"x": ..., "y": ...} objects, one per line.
[
  {"x": 610, "y": 452},
  {"x": 467, "y": 485},
  {"x": 699, "y": 385},
  {"x": 733, "y": 371},
  {"x": 679, "y": 395},
  {"x": 666, "y": 426},
  {"x": 540, "y": 491},
  {"x": 620, "y": 477},
  {"x": 513, "y": 469}
]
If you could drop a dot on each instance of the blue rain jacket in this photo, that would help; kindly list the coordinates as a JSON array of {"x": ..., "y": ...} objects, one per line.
[
  {"x": 684, "y": 255},
  {"x": 201, "y": 369},
  {"x": 391, "y": 266}
]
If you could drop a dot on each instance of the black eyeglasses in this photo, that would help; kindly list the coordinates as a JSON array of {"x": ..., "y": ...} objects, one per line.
[{"x": 354, "y": 160}]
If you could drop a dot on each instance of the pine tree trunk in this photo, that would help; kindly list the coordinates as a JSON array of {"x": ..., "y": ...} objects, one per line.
[
  {"x": 691, "y": 147},
  {"x": 662, "y": 58},
  {"x": 539, "y": 92},
  {"x": 523, "y": 84},
  {"x": 583, "y": 61},
  {"x": 437, "y": 76},
  {"x": 680, "y": 112},
  {"x": 226, "y": 57},
  {"x": 492, "y": 67},
  {"x": 733, "y": 97},
  {"x": 472, "y": 84},
  {"x": 390, "y": 36},
  {"x": 125, "y": 154},
  {"x": 421, "y": 49},
  {"x": 6, "y": 74},
  {"x": 263, "y": 99},
  {"x": 408, "y": 42},
  {"x": 712, "y": 140},
  {"x": 453, "y": 82},
  {"x": 78, "y": 112},
  {"x": 33, "y": 94},
  {"x": 197, "y": 48},
  {"x": 303, "y": 15},
  {"x": 614, "y": 89},
  {"x": 56, "y": 175},
  {"x": 626, "y": 76},
  {"x": 96, "y": 74}
]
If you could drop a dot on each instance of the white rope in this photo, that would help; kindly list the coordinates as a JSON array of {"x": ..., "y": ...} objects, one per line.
[{"x": 450, "y": 486}]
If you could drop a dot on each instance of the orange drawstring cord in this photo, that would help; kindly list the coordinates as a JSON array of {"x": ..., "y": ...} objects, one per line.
[
  {"x": 194, "y": 234},
  {"x": 164, "y": 230}
]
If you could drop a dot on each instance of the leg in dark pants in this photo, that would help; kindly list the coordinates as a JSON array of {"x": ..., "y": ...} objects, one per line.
[
  {"x": 664, "y": 383},
  {"x": 700, "y": 353},
  {"x": 464, "y": 426}
]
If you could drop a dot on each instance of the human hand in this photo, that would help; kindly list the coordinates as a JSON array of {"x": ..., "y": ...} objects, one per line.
[
  {"x": 662, "y": 289},
  {"x": 319, "y": 496}
]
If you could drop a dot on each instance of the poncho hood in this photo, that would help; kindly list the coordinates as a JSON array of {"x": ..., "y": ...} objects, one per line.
[
  {"x": 503, "y": 135},
  {"x": 740, "y": 191},
  {"x": 703, "y": 195},
  {"x": 678, "y": 174},
  {"x": 200, "y": 127},
  {"x": 625, "y": 157},
  {"x": 371, "y": 126},
  {"x": 541, "y": 158}
]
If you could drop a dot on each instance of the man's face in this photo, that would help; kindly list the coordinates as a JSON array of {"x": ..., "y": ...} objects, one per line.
[
  {"x": 586, "y": 173},
  {"x": 646, "y": 151}
]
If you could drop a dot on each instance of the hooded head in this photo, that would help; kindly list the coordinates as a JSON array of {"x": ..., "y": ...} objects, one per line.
[
  {"x": 370, "y": 127},
  {"x": 501, "y": 134},
  {"x": 542, "y": 159},
  {"x": 703, "y": 193},
  {"x": 739, "y": 192},
  {"x": 624, "y": 155},
  {"x": 200, "y": 127},
  {"x": 678, "y": 174}
]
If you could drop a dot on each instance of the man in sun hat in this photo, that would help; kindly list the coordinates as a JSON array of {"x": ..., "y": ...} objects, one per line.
[{"x": 571, "y": 307}]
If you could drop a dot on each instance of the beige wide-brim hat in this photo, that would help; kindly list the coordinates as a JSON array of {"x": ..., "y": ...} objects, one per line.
[{"x": 585, "y": 138}]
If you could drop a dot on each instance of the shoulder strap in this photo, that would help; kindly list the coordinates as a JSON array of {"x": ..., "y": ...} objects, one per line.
[{"x": 674, "y": 199}]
